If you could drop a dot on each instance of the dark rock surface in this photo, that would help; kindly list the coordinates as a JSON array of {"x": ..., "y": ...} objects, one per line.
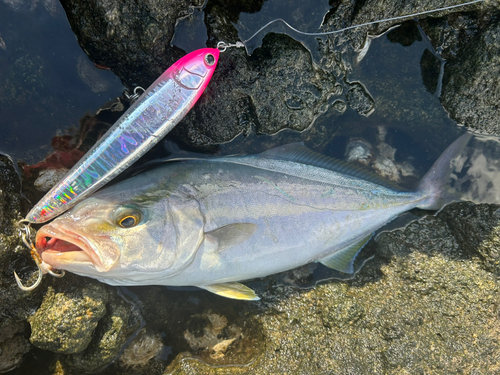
[
  {"x": 129, "y": 36},
  {"x": 471, "y": 83},
  {"x": 13, "y": 345},
  {"x": 15, "y": 305}
]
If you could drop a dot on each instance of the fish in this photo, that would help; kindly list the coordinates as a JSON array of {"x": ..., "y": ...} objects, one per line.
[
  {"x": 214, "y": 222},
  {"x": 144, "y": 124}
]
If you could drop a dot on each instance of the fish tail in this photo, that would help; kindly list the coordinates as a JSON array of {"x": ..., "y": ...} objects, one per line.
[{"x": 435, "y": 184}]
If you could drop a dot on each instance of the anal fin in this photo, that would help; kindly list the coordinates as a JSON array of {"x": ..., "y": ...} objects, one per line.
[
  {"x": 343, "y": 260},
  {"x": 232, "y": 290}
]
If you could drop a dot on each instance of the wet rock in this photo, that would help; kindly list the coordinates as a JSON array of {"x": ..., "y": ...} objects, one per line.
[
  {"x": 15, "y": 305},
  {"x": 191, "y": 324},
  {"x": 131, "y": 38},
  {"x": 386, "y": 168},
  {"x": 91, "y": 75},
  {"x": 13, "y": 346},
  {"x": 381, "y": 157},
  {"x": 360, "y": 100},
  {"x": 484, "y": 240},
  {"x": 48, "y": 178},
  {"x": 275, "y": 89},
  {"x": 113, "y": 331},
  {"x": 471, "y": 83},
  {"x": 469, "y": 44},
  {"x": 211, "y": 337},
  {"x": 371, "y": 10},
  {"x": 359, "y": 150},
  {"x": 425, "y": 304},
  {"x": 65, "y": 321},
  {"x": 141, "y": 350}
]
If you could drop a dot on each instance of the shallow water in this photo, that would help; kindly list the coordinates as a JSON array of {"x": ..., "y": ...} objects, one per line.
[
  {"x": 48, "y": 96},
  {"x": 47, "y": 83}
]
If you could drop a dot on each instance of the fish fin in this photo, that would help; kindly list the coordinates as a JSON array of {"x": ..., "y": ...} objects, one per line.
[
  {"x": 435, "y": 183},
  {"x": 232, "y": 290},
  {"x": 343, "y": 260},
  {"x": 299, "y": 153},
  {"x": 232, "y": 234}
]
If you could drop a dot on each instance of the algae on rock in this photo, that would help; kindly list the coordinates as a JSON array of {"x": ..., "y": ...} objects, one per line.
[{"x": 65, "y": 322}]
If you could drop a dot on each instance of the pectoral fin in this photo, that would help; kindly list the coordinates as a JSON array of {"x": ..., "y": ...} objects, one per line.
[
  {"x": 232, "y": 290},
  {"x": 232, "y": 234},
  {"x": 343, "y": 260}
]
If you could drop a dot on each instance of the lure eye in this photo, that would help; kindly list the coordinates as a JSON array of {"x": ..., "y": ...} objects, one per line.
[
  {"x": 128, "y": 221},
  {"x": 209, "y": 59}
]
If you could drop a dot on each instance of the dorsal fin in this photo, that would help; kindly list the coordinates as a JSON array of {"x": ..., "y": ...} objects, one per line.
[{"x": 299, "y": 153}]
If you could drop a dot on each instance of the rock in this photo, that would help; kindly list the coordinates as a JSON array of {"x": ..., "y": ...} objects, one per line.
[
  {"x": 210, "y": 339},
  {"x": 91, "y": 76},
  {"x": 47, "y": 178},
  {"x": 386, "y": 168},
  {"x": 359, "y": 150},
  {"x": 484, "y": 240},
  {"x": 15, "y": 305},
  {"x": 371, "y": 10},
  {"x": 275, "y": 89},
  {"x": 109, "y": 339},
  {"x": 471, "y": 82},
  {"x": 380, "y": 157},
  {"x": 65, "y": 321},
  {"x": 141, "y": 350},
  {"x": 132, "y": 39},
  {"x": 427, "y": 303},
  {"x": 13, "y": 346},
  {"x": 469, "y": 43}
]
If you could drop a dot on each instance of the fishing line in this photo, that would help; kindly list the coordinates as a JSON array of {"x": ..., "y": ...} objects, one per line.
[{"x": 222, "y": 46}]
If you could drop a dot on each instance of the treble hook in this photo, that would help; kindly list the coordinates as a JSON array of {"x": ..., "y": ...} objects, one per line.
[{"x": 25, "y": 229}]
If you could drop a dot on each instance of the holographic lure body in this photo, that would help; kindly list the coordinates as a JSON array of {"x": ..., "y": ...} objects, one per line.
[{"x": 143, "y": 125}]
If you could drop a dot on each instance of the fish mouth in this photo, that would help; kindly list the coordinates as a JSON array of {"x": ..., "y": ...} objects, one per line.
[{"x": 61, "y": 248}]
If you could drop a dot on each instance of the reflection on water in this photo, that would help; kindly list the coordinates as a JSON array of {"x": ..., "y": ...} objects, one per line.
[
  {"x": 477, "y": 172},
  {"x": 47, "y": 83}
]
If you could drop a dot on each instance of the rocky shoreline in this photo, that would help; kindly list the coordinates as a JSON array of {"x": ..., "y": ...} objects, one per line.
[{"x": 426, "y": 303}]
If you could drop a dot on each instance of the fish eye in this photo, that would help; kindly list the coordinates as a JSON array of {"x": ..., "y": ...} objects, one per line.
[
  {"x": 209, "y": 59},
  {"x": 128, "y": 221}
]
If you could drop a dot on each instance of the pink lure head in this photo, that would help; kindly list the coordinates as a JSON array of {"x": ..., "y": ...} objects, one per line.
[{"x": 194, "y": 71}]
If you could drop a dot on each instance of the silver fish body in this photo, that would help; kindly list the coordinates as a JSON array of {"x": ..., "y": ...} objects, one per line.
[{"x": 214, "y": 222}]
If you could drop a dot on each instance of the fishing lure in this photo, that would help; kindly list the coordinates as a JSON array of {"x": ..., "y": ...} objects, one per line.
[{"x": 146, "y": 122}]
